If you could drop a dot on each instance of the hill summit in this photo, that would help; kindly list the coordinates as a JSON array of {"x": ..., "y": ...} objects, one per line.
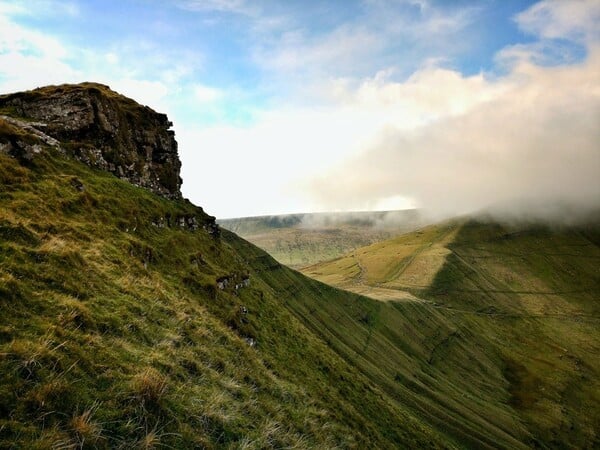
[{"x": 101, "y": 128}]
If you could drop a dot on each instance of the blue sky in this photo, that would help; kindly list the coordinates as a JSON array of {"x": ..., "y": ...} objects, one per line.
[
  {"x": 274, "y": 100},
  {"x": 239, "y": 47}
]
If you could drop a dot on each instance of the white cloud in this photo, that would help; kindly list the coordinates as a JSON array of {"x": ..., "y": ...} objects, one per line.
[
  {"x": 12, "y": 8},
  {"x": 25, "y": 72},
  {"x": 392, "y": 203},
  {"x": 206, "y": 94},
  {"x": 227, "y": 6},
  {"x": 112, "y": 58},
  {"x": 382, "y": 34},
  {"x": 353, "y": 125},
  {"x": 530, "y": 136},
  {"x": 552, "y": 19},
  {"x": 449, "y": 141},
  {"x": 299, "y": 52},
  {"x": 427, "y": 95},
  {"x": 256, "y": 169},
  {"x": 152, "y": 93},
  {"x": 39, "y": 8},
  {"x": 29, "y": 58},
  {"x": 272, "y": 157},
  {"x": 16, "y": 38},
  {"x": 544, "y": 53},
  {"x": 432, "y": 22}
]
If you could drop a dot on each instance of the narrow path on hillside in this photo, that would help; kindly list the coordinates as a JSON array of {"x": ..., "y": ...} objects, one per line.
[
  {"x": 358, "y": 285},
  {"x": 378, "y": 290},
  {"x": 512, "y": 315},
  {"x": 402, "y": 268},
  {"x": 407, "y": 297},
  {"x": 360, "y": 278}
]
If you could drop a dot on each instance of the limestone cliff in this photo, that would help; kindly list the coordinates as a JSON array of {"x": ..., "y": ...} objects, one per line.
[{"x": 100, "y": 128}]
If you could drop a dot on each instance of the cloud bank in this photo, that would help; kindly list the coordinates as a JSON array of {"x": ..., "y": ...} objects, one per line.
[
  {"x": 525, "y": 142},
  {"x": 283, "y": 107}
]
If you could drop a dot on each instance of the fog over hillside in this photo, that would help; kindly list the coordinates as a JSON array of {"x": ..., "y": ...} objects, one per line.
[
  {"x": 357, "y": 105},
  {"x": 525, "y": 144},
  {"x": 374, "y": 219}
]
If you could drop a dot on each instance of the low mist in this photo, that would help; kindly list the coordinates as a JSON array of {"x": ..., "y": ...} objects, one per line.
[
  {"x": 384, "y": 220},
  {"x": 529, "y": 152}
]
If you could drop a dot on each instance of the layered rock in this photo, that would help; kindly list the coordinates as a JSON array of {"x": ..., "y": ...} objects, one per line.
[{"x": 102, "y": 129}]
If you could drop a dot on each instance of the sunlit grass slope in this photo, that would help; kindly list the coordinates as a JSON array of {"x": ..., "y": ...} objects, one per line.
[
  {"x": 391, "y": 269},
  {"x": 510, "y": 315},
  {"x": 114, "y": 333}
]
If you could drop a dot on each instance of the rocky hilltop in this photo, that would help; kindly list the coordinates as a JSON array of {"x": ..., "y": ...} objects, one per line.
[{"x": 99, "y": 127}]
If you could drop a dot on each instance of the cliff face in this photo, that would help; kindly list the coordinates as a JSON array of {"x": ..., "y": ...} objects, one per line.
[{"x": 101, "y": 128}]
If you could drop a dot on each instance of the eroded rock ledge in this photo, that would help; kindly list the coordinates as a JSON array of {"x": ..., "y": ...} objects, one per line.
[{"x": 103, "y": 129}]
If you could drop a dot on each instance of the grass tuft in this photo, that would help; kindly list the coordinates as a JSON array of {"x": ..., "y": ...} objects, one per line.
[
  {"x": 87, "y": 431},
  {"x": 149, "y": 387}
]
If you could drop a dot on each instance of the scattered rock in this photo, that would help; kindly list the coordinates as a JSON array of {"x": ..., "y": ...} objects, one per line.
[
  {"x": 222, "y": 282},
  {"x": 246, "y": 280},
  {"x": 32, "y": 128},
  {"x": 191, "y": 223},
  {"x": 212, "y": 228},
  {"x": 236, "y": 280},
  {"x": 77, "y": 184}
]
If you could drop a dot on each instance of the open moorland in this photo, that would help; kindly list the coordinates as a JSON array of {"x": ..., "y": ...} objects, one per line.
[{"x": 300, "y": 240}]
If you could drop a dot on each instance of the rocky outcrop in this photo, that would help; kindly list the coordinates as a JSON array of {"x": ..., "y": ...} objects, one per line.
[
  {"x": 190, "y": 223},
  {"x": 103, "y": 129}
]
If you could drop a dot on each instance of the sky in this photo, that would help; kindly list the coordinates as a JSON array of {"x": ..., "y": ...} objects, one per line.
[{"x": 305, "y": 105}]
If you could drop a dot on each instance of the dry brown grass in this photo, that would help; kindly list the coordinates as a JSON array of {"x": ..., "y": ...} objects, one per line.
[
  {"x": 85, "y": 428},
  {"x": 149, "y": 441},
  {"x": 149, "y": 386}
]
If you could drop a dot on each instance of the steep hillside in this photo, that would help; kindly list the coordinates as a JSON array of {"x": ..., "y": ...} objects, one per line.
[
  {"x": 131, "y": 320},
  {"x": 527, "y": 297},
  {"x": 300, "y": 240},
  {"x": 115, "y": 331}
]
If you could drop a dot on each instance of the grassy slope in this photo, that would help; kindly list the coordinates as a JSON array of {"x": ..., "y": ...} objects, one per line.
[
  {"x": 299, "y": 240},
  {"x": 114, "y": 333},
  {"x": 393, "y": 269},
  {"x": 521, "y": 312}
]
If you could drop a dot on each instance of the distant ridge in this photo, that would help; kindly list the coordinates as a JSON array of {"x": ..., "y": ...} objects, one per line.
[{"x": 299, "y": 240}]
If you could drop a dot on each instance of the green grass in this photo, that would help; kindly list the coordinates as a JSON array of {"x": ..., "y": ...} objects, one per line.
[
  {"x": 300, "y": 240},
  {"x": 511, "y": 323},
  {"x": 114, "y": 333}
]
